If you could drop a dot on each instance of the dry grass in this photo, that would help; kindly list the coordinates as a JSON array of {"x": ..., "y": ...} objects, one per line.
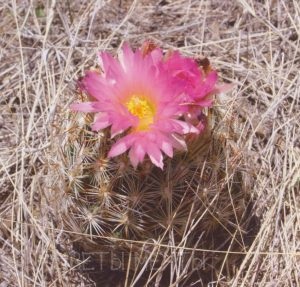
[{"x": 46, "y": 45}]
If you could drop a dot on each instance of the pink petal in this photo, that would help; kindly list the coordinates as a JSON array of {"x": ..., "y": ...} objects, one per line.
[
  {"x": 186, "y": 127},
  {"x": 156, "y": 56},
  {"x": 119, "y": 127},
  {"x": 178, "y": 142},
  {"x": 140, "y": 152},
  {"x": 87, "y": 107},
  {"x": 164, "y": 143},
  {"x": 201, "y": 126},
  {"x": 126, "y": 57},
  {"x": 101, "y": 122},
  {"x": 171, "y": 110},
  {"x": 95, "y": 85},
  {"x": 136, "y": 155},
  {"x": 121, "y": 146},
  {"x": 133, "y": 158},
  {"x": 110, "y": 66},
  {"x": 207, "y": 86},
  {"x": 211, "y": 78},
  {"x": 155, "y": 155},
  {"x": 117, "y": 149},
  {"x": 167, "y": 148}
]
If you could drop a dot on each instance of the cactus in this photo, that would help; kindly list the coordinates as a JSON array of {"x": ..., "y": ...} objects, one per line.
[{"x": 149, "y": 217}]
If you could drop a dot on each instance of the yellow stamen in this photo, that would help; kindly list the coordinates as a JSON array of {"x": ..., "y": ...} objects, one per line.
[{"x": 143, "y": 109}]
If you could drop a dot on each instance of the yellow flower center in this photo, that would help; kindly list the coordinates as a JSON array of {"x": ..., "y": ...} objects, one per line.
[{"x": 143, "y": 110}]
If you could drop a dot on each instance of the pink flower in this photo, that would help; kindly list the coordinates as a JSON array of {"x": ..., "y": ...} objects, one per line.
[
  {"x": 143, "y": 97},
  {"x": 195, "y": 83}
]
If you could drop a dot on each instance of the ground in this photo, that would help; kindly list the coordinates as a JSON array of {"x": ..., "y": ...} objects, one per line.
[{"x": 45, "y": 48}]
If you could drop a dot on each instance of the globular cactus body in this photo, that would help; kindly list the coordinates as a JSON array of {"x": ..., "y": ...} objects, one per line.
[{"x": 149, "y": 216}]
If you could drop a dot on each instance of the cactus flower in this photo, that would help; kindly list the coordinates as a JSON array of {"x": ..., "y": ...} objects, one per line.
[{"x": 144, "y": 97}]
